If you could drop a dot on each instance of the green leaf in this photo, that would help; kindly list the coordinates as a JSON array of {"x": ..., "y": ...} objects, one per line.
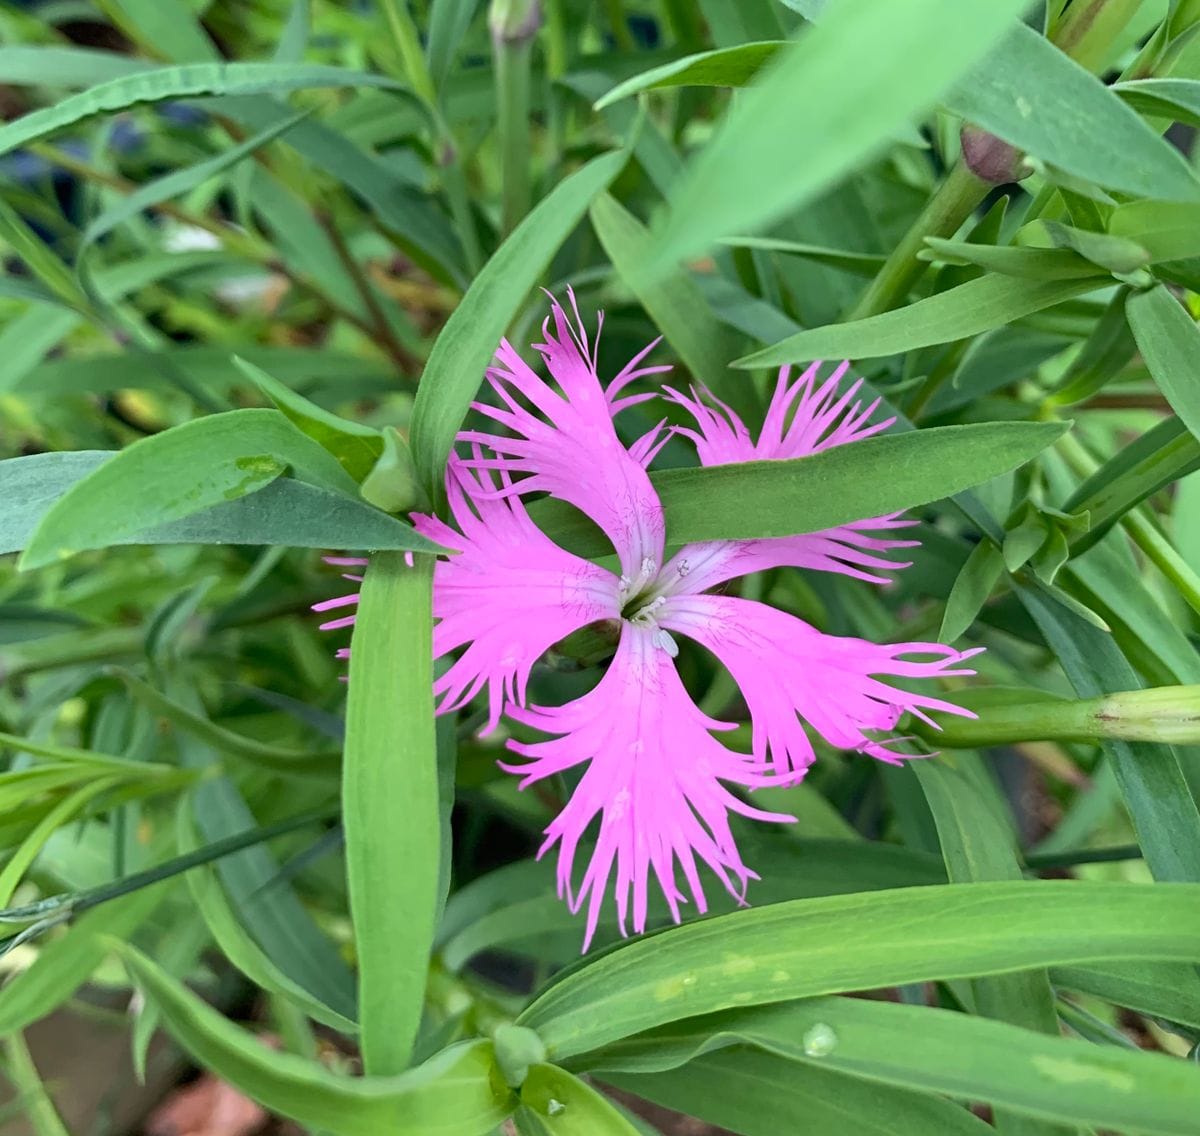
[
  {"x": 885, "y": 474},
  {"x": 1165, "y": 230},
  {"x": 744, "y": 178},
  {"x": 1034, "y": 97},
  {"x": 979, "y": 305},
  {"x": 1177, "y": 99},
  {"x": 171, "y": 27},
  {"x": 972, "y": 588},
  {"x": 389, "y": 773},
  {"x": 524, "y": 914},
  {"x": 674, "y": 304},
  {"x": 456, "y": 1093},
  {"x": 65, "y": 964},
  {"x": 285, "y": 512},
  {"x": 71, "y": 67},
  {"x": 1159, "y": 457},
  {"x": 1161, "y": 989},
  {"x": 472, "y": 333},
  {"x": 978, "y": 845},
  {"x": 860, "y": 263},
  {"x": 1169, "y": 342},
  {"x": 758, "y": 1094},
  {"x": 1116, "y": 254},
  {"x": 448, "y": 23},
  {"x": 237, "y": 946},
  {"x": 1028, "y": 263},
  {"x": 189, "y": 80},
  {"x": 939, "y": 1051},
  {"x": 858, "y": 942},
  {"x": 727, "y": 67},
  {"x": 356, "y": 447},
  {"x": 171, "y": 475},
  {"x": 556, "y": 1103}
]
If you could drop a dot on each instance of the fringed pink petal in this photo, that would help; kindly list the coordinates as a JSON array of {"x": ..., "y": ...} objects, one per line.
[
  {"x": 653, "y": 781},
  {"x": 789, "y": 674},
  {"x": 805, "y": 416},
  {"x": 562, "y": 441},
  {"x": 507, "y": 595}
]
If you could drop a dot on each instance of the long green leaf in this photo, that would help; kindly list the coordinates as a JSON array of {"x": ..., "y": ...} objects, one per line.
[
  {"x": 189, "y": 80},
  {"x": 759, "y": 1094},
  {"x": 472, "y": 333},
  {"x": 167, "y": 476},
  {"x": 942, "y": 1052},
  {"x": 824, "y": 946},
  {"x": 556, "y": 1103},
  {"x": 285, "y": 512},
  {"x": 390, "y": 805},
  {"x": 456, "y": 1093},
  {"x": 744, "y": 178},
  {"x": 979, "y": 305},
  {"x": 878, "y": 475},
  {"x": 1169, "y": 341},
  {"x": 1033, "y": 96},
  {"x": 236, "y": 945},
  {"x": 725, "y": 67},
  {"x": 978, "y": 845}
]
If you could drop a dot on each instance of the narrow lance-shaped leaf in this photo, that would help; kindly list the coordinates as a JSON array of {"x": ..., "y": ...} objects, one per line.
[
  {"x": 285, "y": 512},
  {"x": 744, "y": 178},
  {"x": 390, "y": 805},
  {"x": 180, "y": 82},
  {"x": 979, "y": 305},
  {"x": 822, "y": 946},
  {"x": 1169, "y": 341},
  {"x": 466, "y": 344},
  {"x": 167, "y": 476},
  {"x": 456, "y": 1093},
  {"x": 942, "y": 1052},
  {"x": 878, "y": 475},
  {"x": 1033, "y": 96}
]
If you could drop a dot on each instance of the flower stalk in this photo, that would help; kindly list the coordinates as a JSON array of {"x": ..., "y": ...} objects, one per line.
[
  {"x": 1165, "y": 714},
  {"x": 514, "y": 25}
]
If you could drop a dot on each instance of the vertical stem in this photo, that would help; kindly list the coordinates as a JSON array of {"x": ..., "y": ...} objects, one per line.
[
  {"x": 1088, "y": 28},
  {"x": 955, "y": 200},
  {"x": 43, "y": 1116},
  {"x": 512, "y": 92},
  {"x": 619, "y": 25}
]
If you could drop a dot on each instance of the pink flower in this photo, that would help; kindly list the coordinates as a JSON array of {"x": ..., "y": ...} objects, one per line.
[{"x": 654, "y": 784}]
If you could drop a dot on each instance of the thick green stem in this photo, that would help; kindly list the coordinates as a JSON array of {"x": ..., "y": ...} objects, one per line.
[
  {"x": 1088, "y": 28},
  {"x": 954, "y": 201},
  {"x": 43, "y": 1116},
  {"x": 512, "y": 66},
  {"x": 1167, "y": 714}
]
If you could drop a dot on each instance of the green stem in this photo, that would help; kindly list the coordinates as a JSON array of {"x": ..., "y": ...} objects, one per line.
[
  {"x": 955, "y": 200},
  {"x": 43, "y": 1116},
  {"x": 1168, "y": 714},
  {"x": 619, "y": 25},
  {"x": 512, "y": 64},
  {"x": 1088, "y": 28}
]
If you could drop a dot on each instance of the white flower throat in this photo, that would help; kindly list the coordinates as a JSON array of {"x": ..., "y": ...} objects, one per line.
[{"x": 640, "y": 602}]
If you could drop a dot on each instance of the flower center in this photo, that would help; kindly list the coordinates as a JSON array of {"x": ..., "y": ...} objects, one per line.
[{"x": 640, "y": 602}]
